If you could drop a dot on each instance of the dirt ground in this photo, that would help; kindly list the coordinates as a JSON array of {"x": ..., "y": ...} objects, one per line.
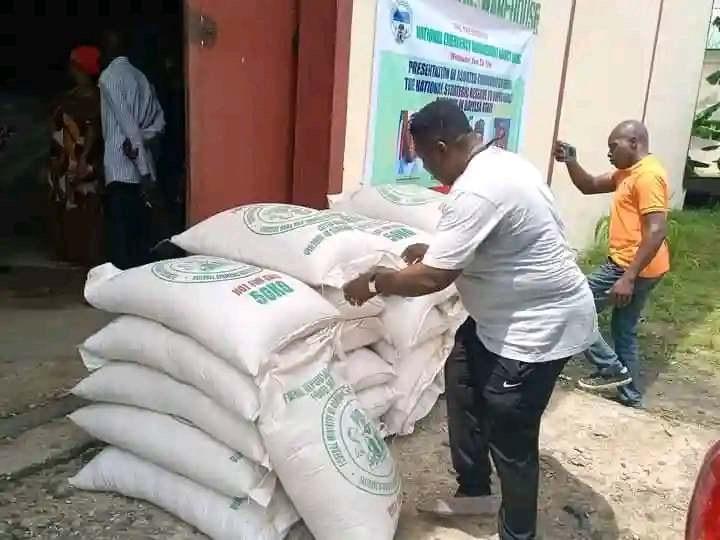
[{"x": 608, "y": 472}]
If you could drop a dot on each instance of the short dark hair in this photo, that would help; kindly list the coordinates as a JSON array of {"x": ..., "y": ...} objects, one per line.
[
  {"x": 441, "y": 120},
  {"x": 115, "y": 40}
]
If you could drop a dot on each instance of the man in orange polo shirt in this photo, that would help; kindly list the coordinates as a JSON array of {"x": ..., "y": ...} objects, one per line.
[{"x": 638, "y": 253}]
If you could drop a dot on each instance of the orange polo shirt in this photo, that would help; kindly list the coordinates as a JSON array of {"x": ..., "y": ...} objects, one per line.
[{"x": 641, "y": 189}]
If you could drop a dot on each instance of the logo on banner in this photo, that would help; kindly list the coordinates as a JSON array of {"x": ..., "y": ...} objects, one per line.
[{"x": 401, "y": 19}]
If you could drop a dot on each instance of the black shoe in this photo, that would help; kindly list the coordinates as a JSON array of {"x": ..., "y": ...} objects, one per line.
[
  {"x": 599, "y": 381},
  {"x": 628, "y": 403}
]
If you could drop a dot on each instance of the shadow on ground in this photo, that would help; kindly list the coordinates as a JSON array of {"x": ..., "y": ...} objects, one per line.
[{"x": 568, "y": 509}]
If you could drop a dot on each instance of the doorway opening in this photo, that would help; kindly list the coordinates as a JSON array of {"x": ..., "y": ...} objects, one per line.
[{"x": 39, "y": 227}]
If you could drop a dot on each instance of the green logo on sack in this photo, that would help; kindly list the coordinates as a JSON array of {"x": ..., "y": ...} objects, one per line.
[
  {"x": 238, "y": 502},
  {"x": 271, "y": 219},
  {"x": 355, "y": 447},
  {"x": 407, "y": 195},
  {"x": 200, "y": 269}
]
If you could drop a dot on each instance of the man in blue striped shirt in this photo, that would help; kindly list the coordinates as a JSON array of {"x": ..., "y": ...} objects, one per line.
[{"x": 132, "y": 122}]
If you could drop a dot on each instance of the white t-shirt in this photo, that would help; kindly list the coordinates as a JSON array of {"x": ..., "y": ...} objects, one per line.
[{"x": 520, "y": 281}]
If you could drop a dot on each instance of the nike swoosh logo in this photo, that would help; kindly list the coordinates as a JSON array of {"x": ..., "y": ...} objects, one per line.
[{"x": 507, "y": 385}]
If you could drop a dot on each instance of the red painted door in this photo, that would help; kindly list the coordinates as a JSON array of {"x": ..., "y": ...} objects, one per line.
[{"x": 241, "y": 72}]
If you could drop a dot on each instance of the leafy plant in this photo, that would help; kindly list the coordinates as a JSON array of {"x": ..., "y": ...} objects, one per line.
[
  {"x": 703, "y": 125},
  {"x": 677, "y": 242}
]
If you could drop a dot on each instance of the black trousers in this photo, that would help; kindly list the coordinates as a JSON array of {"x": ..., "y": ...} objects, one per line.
[
  {"x": 466, "y": 434},
  {"x": 127, "y": 224},
  {"x": 494, "y": 409}
]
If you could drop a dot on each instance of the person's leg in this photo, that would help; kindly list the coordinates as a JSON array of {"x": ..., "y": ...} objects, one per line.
[
  {"x": 624, "y": 330},
  {"x": 516, "y": 395},
  {"x": 115, "y": 225},
  {"x": 610, "y": 373},
  {"x": 468, "y": 372},
  {"x": 468, "y": 447},
  {"x": 137, "y": 226}
]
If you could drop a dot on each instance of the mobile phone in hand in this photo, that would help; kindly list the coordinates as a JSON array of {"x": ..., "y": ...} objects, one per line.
[{"x": 568, "y": 153}]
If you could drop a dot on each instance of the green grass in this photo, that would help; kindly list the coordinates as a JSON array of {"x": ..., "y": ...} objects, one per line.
[{"x": 683, "y": 315}]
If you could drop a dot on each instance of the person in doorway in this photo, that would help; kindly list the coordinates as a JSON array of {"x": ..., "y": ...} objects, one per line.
[
  {"x": 500, "y": 239},
  {"x": 75, "y": 169},
  {"x": 132, "y": 122},
  {"x": 638, "y": 252}
]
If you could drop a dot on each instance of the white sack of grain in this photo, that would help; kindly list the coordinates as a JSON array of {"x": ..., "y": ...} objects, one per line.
[
  {"x": 397, "y": 422},
  {"x": 317, "y": 247},
  {"x": 139, "y": 386},
  {"x": 385, "y": 350},
  {"x": 360, "y": 333},
  {"x": 412, "y": 321},
  {"x": 329, "y": 456},
  {"x": 240, "y": 312},
  {"x": 218, "y": 516},
  {"x": 362, "y": 369},
  {"x": 145, "y": 342},
  {"x": 410, "y": 204},
  {"x": 417, "y": 370},
  {"x": 371, "y": 308},
  {"x": 177, "y": 446},
  {"x": 377, "y": 400}
]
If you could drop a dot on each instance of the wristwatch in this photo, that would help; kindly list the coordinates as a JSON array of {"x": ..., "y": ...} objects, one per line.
[{"x": 371, "y": 284}]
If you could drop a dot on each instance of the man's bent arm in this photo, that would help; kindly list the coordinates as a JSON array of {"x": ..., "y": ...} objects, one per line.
[
  {"x": 654, "y": 231},
  {"x": 128, "y": 125},
  {"x": 586, "y": 182},
  {"x": 415, "y": 280}
]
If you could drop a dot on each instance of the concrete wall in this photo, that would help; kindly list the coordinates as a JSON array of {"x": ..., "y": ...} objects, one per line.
[
  {"x": 362, "y": 46},
  {"x": 544, "y": 84},
  {"x": 607, "y": 77},
  {"x": 674, "y": 85},
  {"x": 610, "y": 77}
]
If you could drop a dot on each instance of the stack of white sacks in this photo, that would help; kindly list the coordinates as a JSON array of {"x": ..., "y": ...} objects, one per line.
[
  {"x": 241, "y": 365},
  {"x": 420, "y": 332}
]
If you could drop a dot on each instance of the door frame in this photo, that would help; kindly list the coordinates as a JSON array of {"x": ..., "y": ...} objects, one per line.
[
  {"x": 321, "y": 108},
  {"x": 323, "y": 59}
]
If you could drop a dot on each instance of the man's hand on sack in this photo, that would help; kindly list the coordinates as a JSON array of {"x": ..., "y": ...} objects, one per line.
[{"x": 357, "y": 291}]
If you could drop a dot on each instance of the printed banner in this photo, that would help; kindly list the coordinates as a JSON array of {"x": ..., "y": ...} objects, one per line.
[{"x": 477, "y": 52}]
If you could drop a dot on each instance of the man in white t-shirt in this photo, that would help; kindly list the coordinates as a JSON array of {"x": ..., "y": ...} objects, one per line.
[{"x": 501, "y": 241}]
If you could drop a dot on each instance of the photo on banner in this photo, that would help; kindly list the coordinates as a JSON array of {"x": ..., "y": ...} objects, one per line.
[{"x": 476, "y": 52}]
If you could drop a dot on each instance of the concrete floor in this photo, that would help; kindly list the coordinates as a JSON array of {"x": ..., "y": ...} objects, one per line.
[{"x": 43, "y": 319}]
